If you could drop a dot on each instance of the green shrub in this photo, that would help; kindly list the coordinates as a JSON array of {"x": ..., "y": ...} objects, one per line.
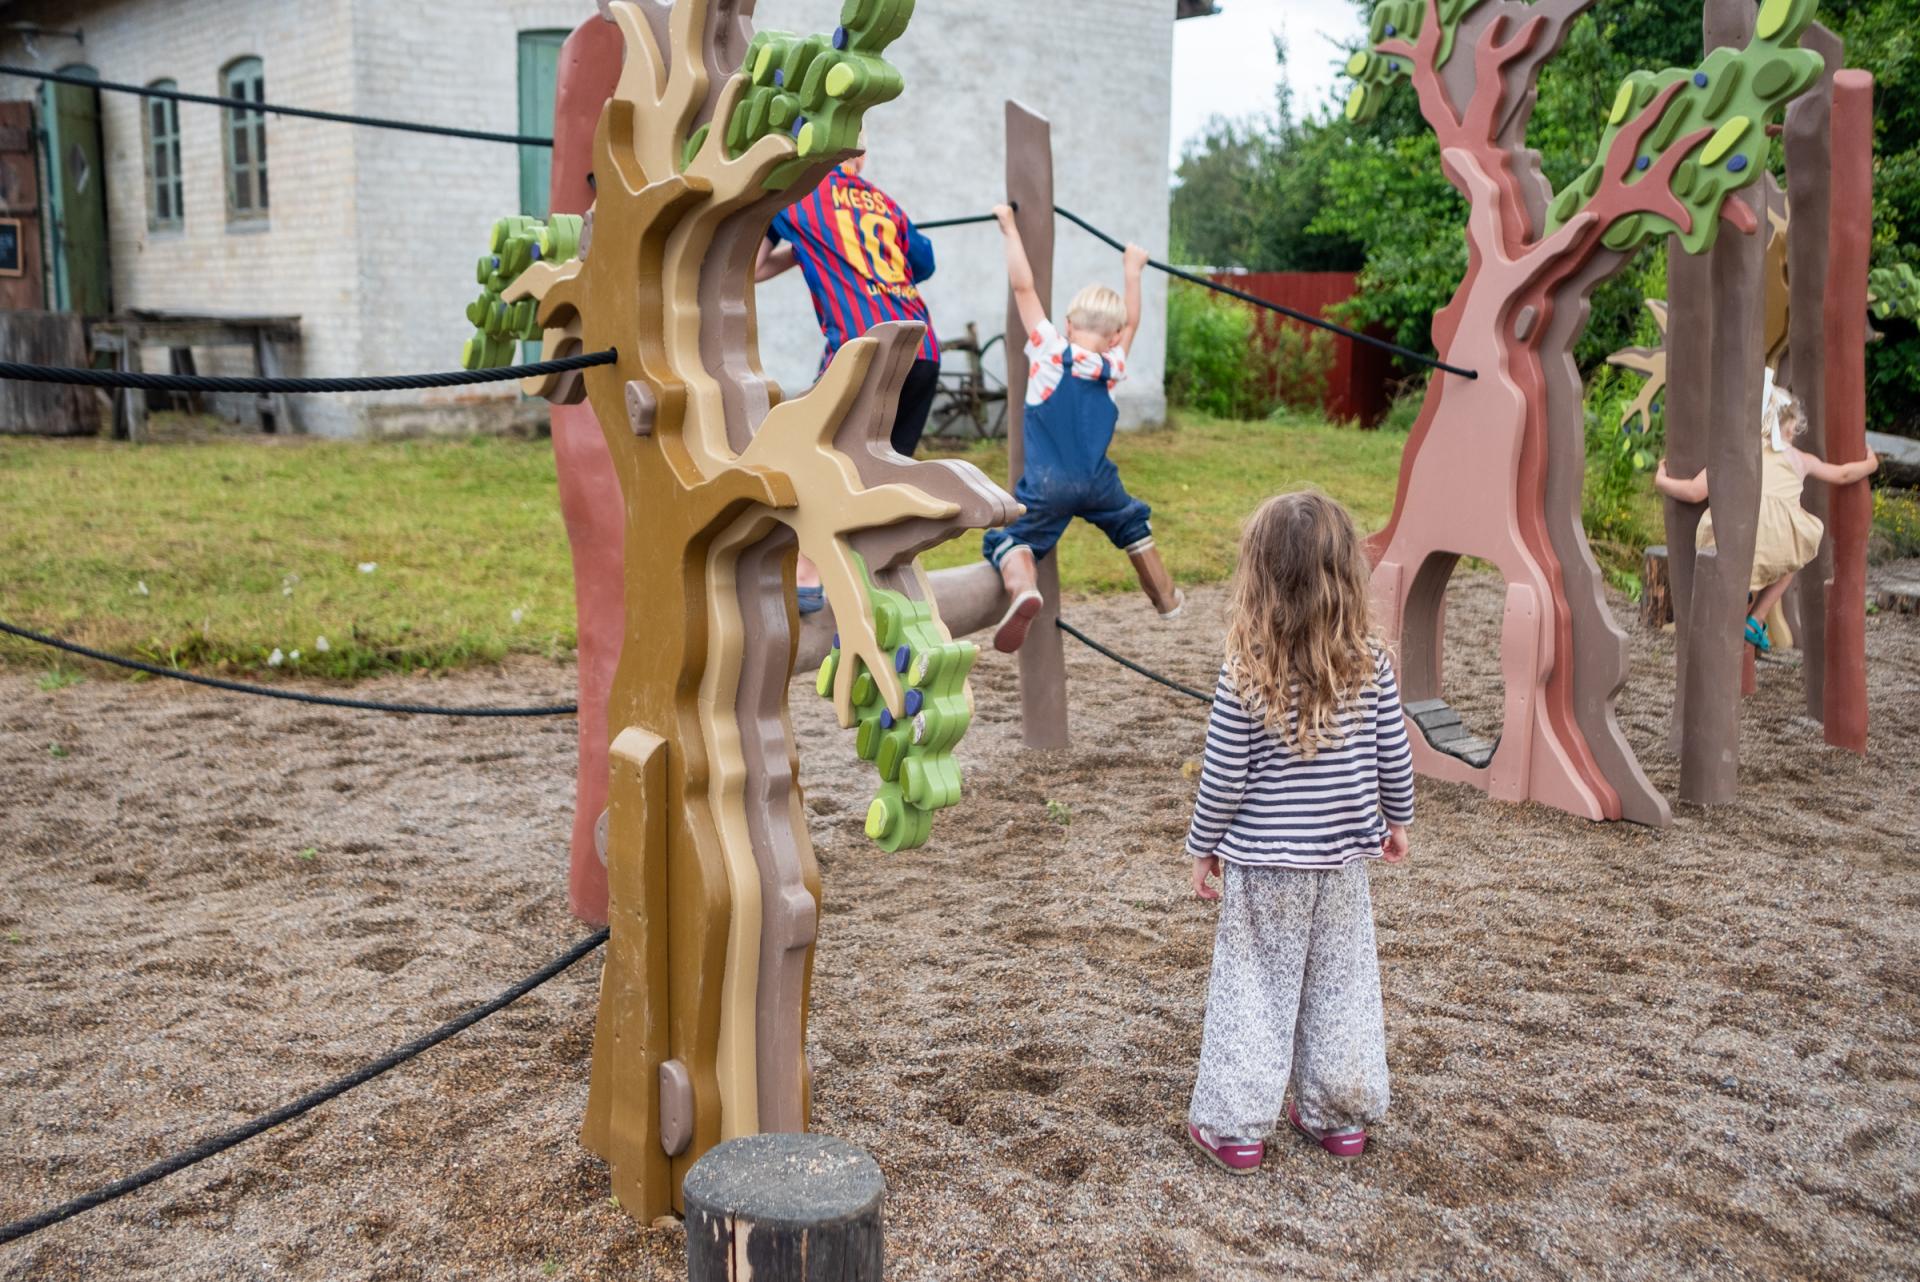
[
  {"x": 1223, "y": 361},
  {"x": 1404, "y": 411},
  {"x": 1896, "y": 524}
]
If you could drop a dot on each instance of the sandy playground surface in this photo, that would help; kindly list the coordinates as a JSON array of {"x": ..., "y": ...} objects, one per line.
[{"x": 1615, "y": 1053}]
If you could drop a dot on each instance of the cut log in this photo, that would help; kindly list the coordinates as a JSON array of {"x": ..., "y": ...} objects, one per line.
[
  {"x": 784, "y": 1208},
  {"x": 1656, "y": 588}
]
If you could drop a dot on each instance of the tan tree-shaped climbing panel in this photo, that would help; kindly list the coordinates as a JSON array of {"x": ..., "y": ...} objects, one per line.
[{"x": 714, "y": 889}]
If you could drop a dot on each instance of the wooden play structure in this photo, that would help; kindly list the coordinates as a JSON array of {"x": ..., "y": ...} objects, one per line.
[
  {"x": 1798, "y": 307},
  {"x": 1495, "y": 464},
  {"x": 712, "y": 888}
]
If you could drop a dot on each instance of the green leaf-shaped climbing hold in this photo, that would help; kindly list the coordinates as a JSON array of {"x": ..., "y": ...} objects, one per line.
[
  {"x": 516, "y": 244},
  {"x": 1719, "y": 111},
  {"x": 914, "y": 755},
  {"x": 817, "y": 89}
]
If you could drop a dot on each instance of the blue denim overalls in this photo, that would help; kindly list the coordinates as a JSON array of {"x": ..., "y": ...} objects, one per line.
[{"x": 1068, "y": 473}]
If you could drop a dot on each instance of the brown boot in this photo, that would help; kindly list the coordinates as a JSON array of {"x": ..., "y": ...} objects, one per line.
[{"x": 1166, "y": 598}]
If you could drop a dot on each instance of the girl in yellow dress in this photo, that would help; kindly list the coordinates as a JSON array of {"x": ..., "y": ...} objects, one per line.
[{"x": 1788, "y": 536}]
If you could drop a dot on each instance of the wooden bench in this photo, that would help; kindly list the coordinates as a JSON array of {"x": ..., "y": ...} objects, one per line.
[{"x": 123, "y": 336}]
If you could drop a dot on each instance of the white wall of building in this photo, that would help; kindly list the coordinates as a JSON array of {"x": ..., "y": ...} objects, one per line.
[{"x": 372, "y": 235}]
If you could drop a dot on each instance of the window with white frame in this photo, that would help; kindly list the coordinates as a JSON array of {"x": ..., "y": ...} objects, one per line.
[
  {"x": 164, "y": 186},
  {"x": 246, "y": 139}
]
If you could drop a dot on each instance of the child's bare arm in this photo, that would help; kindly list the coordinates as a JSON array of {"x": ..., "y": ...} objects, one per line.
[
  {"x": 773, "y": 260},
  {"x": 1688, "y": 491},
  {"x": 1136, "y": 263},
  {"x": 1835, "y": 473},
  {"x": 1020, "y": 272}
]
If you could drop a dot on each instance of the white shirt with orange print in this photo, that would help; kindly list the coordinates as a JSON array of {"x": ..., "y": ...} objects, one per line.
[{"x": 1046, "y": 361}]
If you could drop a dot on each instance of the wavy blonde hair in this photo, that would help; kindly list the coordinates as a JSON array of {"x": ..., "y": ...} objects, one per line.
[{"x": 1299, "y": 638}]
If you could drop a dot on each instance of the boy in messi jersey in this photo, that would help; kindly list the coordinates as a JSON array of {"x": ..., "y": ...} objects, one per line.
[
  {"x": 863, "y": 260},
  {"x": 1069, "y": 422}
]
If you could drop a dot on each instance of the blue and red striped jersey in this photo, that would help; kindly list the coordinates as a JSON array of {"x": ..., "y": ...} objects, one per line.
[{"x": 862, "y": 257}]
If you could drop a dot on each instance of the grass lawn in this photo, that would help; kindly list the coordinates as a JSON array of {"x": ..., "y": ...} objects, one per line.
[{"x": 212, "y": 555}]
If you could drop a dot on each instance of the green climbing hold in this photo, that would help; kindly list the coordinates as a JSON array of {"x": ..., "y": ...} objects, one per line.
[
  {"x": 1357, "y": 63},
  {"x": 1723, "y": 140},
  {"x": 1622, "y": 104},
  {"x": 913, "y": 753},
  {"x": 1774, "y": 77},
  {"x": 513, "y": 245},
  {"x": 1773, "y": 17}
]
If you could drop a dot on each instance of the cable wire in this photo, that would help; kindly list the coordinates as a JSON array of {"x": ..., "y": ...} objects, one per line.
[
  {"x": 298, "y": 386},
  {"x": 276, "y": 109},
  {"x": 1303, "y": 317},
  {"x": 268, "y": 692},
  {"x": 968, "y": 221},
  {"x": 217, "y": 1144},
  {"x": 1125, "y": 662}
]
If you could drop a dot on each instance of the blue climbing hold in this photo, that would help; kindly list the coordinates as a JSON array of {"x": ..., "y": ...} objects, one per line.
[
  {"x": 1392, "y": 30},
  {"x": 1642, "y": 163},
  {"x": 496, "y": 262},
  {"x": 780, "y": 77},
  {"x": 840, "y": 37},
  {"x": 536, "y": 253},
  {"x": 836, "y": 640},
  {"x": 1736, "y": 164},
  {"x": 886, "y": 719},
  {"x": 1394, "y": 67},
  {"x": 915, "y": 701},
  {"x": 799, "y": 123},
  {"x": 902, "y": 657},
  {"x": 1700, "y": 79}
]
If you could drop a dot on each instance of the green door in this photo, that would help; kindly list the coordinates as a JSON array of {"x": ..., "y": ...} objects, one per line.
[
  {"x": 539, "y": 83},
  {"x": 539, "y": 80},
  {"x": 77, "y": 197}
]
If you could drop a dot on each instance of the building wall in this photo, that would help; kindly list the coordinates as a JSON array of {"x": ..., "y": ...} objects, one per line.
[
  {"x": 373, "y": 234},
  {"x": 426, "y": 204},
  {"x": 297, "y": 260}
]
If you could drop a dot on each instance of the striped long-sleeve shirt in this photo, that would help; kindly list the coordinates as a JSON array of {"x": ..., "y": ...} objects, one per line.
[{"x": 1260, "y": 803}]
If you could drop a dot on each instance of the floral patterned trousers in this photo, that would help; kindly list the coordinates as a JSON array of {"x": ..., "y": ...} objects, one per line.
[{"x": 1295, "y": 996}]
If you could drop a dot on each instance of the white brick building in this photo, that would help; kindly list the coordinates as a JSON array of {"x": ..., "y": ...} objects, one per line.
[{"x": 370, "y": 235}]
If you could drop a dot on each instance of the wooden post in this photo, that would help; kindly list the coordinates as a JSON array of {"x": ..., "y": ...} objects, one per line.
[
  {"x": 1807, "y": 141},
  {"x": 1728, "y": 446},
  {"x": 1850, "y": 507},
  {"x": 1043, "y": 664},
  {"x": 1656, "y": 589},
  {"x": 784, "y": 1208}
]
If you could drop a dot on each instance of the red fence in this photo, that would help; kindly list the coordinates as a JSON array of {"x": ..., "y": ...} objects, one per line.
[{"x": 1357, "y": 383}]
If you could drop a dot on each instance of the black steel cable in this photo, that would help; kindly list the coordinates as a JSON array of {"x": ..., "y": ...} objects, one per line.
[
  {"x": 1125, "y": 662},
  {"x": 371, "y": 383},
  {"x": 938, "y": 223},
  {"x": 218, "y": 1144},
  {"x": 1304, "y": 317},
  {"x": 241, "y": 104},
  {"x": 268, "y": 692}
]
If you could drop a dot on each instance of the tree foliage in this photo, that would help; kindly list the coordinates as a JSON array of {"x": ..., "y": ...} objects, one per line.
[{"x": 1320, "y": 192}]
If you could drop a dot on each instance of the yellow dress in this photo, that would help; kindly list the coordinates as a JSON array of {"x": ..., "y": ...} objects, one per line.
[{"x": 1788, "y": 536}]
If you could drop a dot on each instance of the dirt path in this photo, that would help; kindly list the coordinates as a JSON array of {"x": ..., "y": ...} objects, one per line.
[{"x": 1615, "y": 1052}]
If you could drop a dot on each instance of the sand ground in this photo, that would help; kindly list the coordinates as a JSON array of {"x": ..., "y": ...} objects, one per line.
[{"x": 1616, "y": 1052}]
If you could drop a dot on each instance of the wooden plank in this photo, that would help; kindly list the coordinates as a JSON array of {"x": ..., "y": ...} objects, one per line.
[{"x": 45, "y": 409}]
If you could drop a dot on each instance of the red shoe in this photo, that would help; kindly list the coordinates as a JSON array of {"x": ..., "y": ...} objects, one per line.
[
  {"x": 1234, "y": 1158},
  {"x": 1012, "y": 632},
  {"x": 1339, "y": 1143}
]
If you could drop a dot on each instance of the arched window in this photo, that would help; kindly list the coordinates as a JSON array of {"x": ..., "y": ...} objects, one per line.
[
  {"x": 164, "y": 187},
  {"x": 246, "y": 139}
]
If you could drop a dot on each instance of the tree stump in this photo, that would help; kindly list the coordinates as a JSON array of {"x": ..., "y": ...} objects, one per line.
[
  {"x": 784, "y": 1208},
  {"x": 1656, "y": 589}
]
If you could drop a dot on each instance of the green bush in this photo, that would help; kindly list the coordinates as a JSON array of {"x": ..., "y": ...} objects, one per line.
[
  {"x": 1896, "y": 524},
  {"x": 1222, "y": 361},
  {"x": 1404, "y": 411}
]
